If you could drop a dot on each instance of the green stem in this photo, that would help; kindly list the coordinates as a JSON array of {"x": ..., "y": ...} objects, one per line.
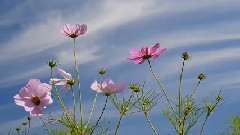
[
  {"x": 119, "y": 123},
  {"x": 154, "y": 130},
  {"x": 193, "y": 94},
  {"x": 18, "y": 132},
  {"x": 90, "y": 115},
  {"x": 180, "y": 100},
  {"x": 61, "y": 103},
  {"x": 74, "y": 105},
  {"x": 29, "y": 127},
  {"x": 165, "y": 94},
  {"x": 25, "y": 130},
  {"x": 203, "y": 125},
  {"x": 100, "y": 116},
  {"x": 79, "y": 90},
  {"x": 44, "y": 124}
]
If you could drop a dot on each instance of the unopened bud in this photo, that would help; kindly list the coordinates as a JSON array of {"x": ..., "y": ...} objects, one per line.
[
  {"x": 219, "y": 98},
  {"x": 71, "y": 82},
  {"x": 201, "y": 76},
  {"x": 134, "y": 88},
  {"x": 102, "y": 71},
  {"x": 52, "y": 63},
  {"x": 185, "y": 56}
]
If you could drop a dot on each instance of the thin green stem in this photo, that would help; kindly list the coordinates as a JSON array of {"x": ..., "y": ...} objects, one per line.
[
  {"x": 118, "y": 126},
  {"x": 61, "y": 103},
  {"x": 44, "y": 124},
  {"x": 180, "y": 101},
  {"x": 79, "y": 90},
  {"x": 74, "y": 105},
  {"x": 104, "y": 108},
  {"x": 165, "y": 94},
  {"x": 18, "y": 132},
  {"x": 29, "y": 127},
  {"x": 154, "y": 130},
  {"x": 193, "y": 94},
  {"x": 90, "y": 115},
  {"x": 203, "y": 125},
  {"x": 25, "y": 130}
]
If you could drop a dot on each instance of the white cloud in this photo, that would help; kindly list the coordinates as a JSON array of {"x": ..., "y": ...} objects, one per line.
[{"x": 45, "y": 34}]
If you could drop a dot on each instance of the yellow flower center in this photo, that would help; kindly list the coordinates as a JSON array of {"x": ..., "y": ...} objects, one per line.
[{"x": 36, "y": 100}]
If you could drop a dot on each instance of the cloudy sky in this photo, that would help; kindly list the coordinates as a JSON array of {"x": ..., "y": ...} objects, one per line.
[{"x": 208, "y": 30}]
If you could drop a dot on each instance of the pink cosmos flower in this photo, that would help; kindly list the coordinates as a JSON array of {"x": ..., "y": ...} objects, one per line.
[
  {"x": 108, "y": 87},
  {"x": 74, "y": 31},
  {"x": 66, "y": 82},
  {"x": 34, "y": 97},
  {"x": 145, "y": 53}
]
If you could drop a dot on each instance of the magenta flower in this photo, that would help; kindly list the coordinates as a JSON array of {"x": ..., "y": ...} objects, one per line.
[
  {"x": 145, "y": 53},
  {"x": 34, "y": 97},
  {"x": 67, "y": 82},
  {"x": 74, "y": 31},
  {"x": 108, "y": 87}
]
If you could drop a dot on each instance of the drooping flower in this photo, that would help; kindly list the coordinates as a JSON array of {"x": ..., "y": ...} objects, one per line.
[
  {"x": 74, "y": 31},
  {"x": 108, "y": 87},
  {"x": 140, "y": 55},
  {"x": 67, "y": 82},
  {"x": 34, "y": 97}
]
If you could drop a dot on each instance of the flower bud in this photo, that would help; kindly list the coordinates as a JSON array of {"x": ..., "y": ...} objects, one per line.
[
  {"x": 134, "y": 88},
  {"x": 146, "y": 102},
  {"x": 52, "y": 63},
  {"x": 219, "y": 98},
  {"x": 185, "y": 56},
  {"x": 201, "y": 76},
  {"x": 189, "y": 107},
  {"x": 209, "y": 109},
  {"x": 29, "y": 118},
  {"x": 102, "y": 71},
  {"x": 71, "y": 82}
]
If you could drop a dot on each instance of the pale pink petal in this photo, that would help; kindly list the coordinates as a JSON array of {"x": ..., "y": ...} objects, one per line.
[
  {"x": 34, "y": 83},
  {"x": 83, "y": 29},
  {"x": 133, "y": 58},
  {"x": 45, "y": 87},
  {"x": 143, "y": 51},
  {"x": 29, "y": 105},
  {"x": 119, "y": 87},
  {"x": 64, "y": 74},
  {"x": 36, "y": 112},
  {"x": 155, "y": 55},
  {"x": 68, "y": 29},
  {"x": 135, "y": 51},
  {"x": 139, "y": 61},
  {"x": 107, "y": 82},
  {"x": 18, "y": 100},
  {"x": 58, "y": 81},
  {"x": 24, "y": 92},
  {"x": 95, "y": 86},
  {"x": 154, "y": 48},
  {"x": 65, "y": 87},
  {"x": 108, "y": 86},
  {"x": 44, "y": 102},
  {"x": 64, "y": 33}
]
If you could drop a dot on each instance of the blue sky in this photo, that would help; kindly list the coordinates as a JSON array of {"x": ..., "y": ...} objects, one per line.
[{"x": 208, "y": 30}]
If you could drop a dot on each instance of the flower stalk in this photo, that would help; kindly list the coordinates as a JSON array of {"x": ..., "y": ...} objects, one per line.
[
  {"x": 164, "y": 92},
  {"x": 154, "y": 130},
  {"x": 78, "y": 81}
]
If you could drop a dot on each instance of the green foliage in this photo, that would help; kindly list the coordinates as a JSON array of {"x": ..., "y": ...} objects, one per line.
[{"x": 234, "y": 126}]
